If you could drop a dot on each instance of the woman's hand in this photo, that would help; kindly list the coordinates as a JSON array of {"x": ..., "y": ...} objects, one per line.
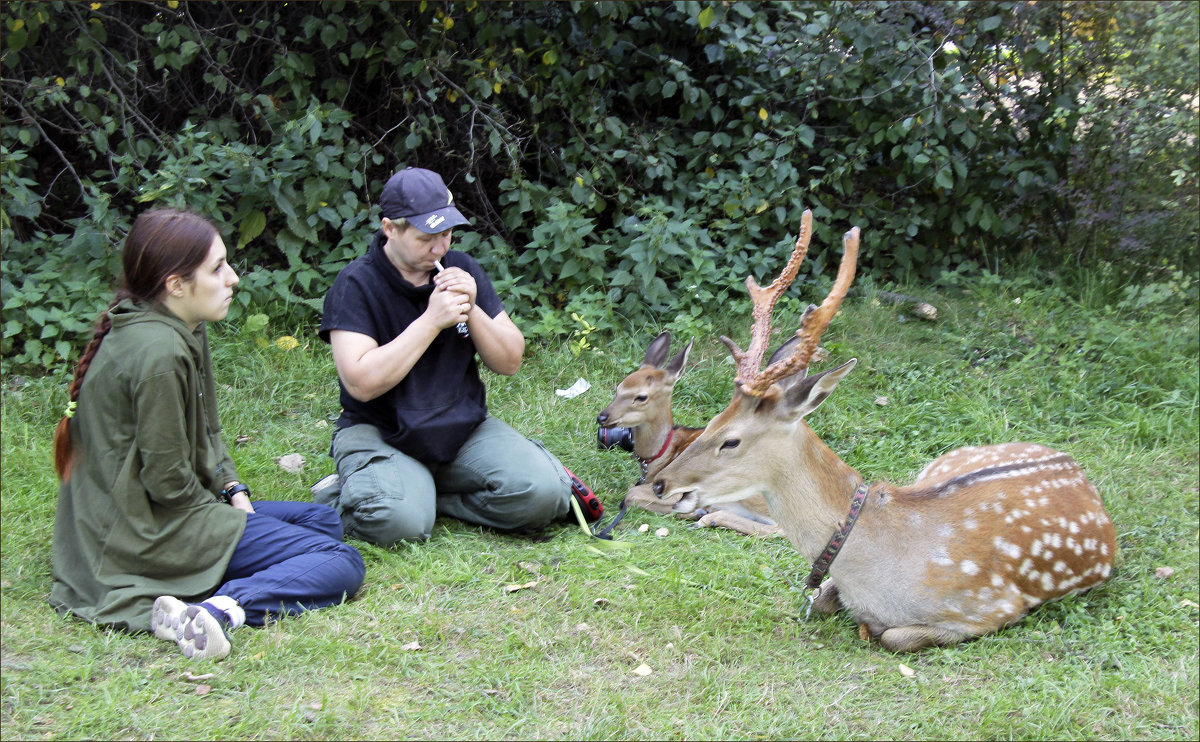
[{"x": 242, "y": 502}]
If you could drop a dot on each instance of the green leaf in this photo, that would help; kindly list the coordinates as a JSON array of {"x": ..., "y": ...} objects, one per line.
[
  {"x": 706, "y": 17},
  {"x": 251, "y": 226}
]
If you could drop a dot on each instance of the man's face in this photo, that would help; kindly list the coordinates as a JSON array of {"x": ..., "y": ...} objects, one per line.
[{"x": 413, "y": 249}]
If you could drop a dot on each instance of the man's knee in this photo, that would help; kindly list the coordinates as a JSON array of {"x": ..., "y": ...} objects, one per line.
[
  {"x": 387, "y": 520},
  {"x": 541, "y": 497}
]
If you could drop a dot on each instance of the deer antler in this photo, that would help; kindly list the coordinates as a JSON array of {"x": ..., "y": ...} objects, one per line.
[
  {"x": 750, "y": 380},
  {"x": 749, "y": 361}
]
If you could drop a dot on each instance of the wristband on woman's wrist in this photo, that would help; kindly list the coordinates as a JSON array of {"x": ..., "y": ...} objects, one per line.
[{"x": 228, "y": 493}]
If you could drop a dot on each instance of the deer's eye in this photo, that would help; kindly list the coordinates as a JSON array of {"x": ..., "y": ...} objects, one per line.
[
  {"x": 730, "y": 443},
  {"x": 640, "y": 398}
]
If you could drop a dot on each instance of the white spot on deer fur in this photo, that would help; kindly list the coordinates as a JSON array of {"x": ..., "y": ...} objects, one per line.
[
  {"x": 941, "y": 557},
  {"x": 1011, "y": 550},
  {"x": 1057, "y": 540},
  {"x": 1043, "y": 501},
  {"x": 997, "y": 580},
  {"x": 1037, "y": 547},
  {"x": 1026, "y": 565},
  {"x": 1026, "y": 529},
  {"x": 1060, "y": 566},
  {"x": 1106, "y": 571},
  {"x": 1006, "y": 608},
  {"x": 1047, "y": 582},
  {"x": 970, "y": 524},
  {"x": 968, "y": 567},
  {"x": 1089, "y": 544}
]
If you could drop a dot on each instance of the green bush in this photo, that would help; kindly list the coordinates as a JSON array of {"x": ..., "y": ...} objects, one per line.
[{"x": 631, "y": 162}]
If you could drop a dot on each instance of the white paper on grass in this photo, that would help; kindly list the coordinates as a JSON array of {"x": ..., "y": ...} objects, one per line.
[{"x": 579, "y": 387}]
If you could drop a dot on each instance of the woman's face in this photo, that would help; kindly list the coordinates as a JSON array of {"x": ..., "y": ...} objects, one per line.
[{"x": 207, "y": 294}]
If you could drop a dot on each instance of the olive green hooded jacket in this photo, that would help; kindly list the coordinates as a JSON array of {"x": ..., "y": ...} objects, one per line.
[{"x": 139, "y": 514}]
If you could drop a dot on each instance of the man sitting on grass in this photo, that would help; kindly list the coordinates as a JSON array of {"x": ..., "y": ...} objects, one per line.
[{"x": 405, "y": 323}]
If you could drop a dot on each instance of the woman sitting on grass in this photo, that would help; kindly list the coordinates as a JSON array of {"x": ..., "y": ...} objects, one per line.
[{"x": 153, "y": 530}]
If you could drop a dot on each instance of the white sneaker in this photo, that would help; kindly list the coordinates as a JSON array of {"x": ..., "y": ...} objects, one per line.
[
  {"x": 202, "y": 636},
  {"x": 326, "y": 490},
  {"x": 168, "y": 617}
]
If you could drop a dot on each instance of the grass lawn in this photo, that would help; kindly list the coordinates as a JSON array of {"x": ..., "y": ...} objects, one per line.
[{"x": 436, "y": 646}]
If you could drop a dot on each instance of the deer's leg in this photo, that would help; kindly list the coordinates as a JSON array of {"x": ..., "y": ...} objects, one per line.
[
  {"x": 918, "y": 636},
  {"x": 739, "y": 523}
]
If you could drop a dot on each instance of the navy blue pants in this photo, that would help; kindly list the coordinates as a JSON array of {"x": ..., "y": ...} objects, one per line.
[{"x": 291, "y": 559}]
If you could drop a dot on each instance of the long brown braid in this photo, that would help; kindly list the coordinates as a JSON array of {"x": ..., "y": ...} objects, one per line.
[{"x": 161, "y": 243}]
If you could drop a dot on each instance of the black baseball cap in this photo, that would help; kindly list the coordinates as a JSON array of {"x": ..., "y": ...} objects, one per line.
[{"x": 421, "y": 198}]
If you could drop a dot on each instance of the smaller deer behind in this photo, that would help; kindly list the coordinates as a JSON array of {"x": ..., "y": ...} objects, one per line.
[
  {"x": 642, "y": 403},
  {"x": 985, "y": 533}
]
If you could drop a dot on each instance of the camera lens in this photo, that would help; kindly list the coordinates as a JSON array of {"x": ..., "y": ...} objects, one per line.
[{"x": 615, "y": 438}]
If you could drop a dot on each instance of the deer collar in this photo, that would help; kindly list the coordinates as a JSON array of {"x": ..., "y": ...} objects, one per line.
[
  {"x": 821, "y": 565},
  {"x": 645, "y": 463},
  {"x": 662, "y": 450}
]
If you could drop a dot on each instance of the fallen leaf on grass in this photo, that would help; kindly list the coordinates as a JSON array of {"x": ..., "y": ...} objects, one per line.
[
  {"x": 642, "y": 669},
  {"x": 203, "y": 690},
  {"x": 197, "y": 678},
  {"x": 643, "y": 528},
  {"x": 514, "y": 588},
  {"x": 907, "y": 671},
  {"x": 1163, "y": 573},
  {"x": 864, "y": 633},
  {"x": 241, "y": 440},
  {"x": 293, "y": 463},
  {"x": 662, "y": 532},
  {"x": 412, "y": 646},
  {"x": 881, "y": 401},
  {"x": 1185, "y": 603}
]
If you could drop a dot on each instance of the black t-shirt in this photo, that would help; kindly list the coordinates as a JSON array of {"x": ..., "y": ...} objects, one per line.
[{"x": 433, "y": 409}]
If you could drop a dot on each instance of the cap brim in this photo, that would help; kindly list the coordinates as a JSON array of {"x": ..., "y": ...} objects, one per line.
[{"x": 438, "y": 220}]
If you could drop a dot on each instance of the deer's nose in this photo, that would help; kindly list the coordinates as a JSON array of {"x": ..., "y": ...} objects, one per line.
[
  {"x": 658, "y": 488},
  {"x": 602, "y": 418}
]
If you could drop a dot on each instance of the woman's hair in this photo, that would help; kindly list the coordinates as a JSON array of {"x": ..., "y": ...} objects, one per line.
[{"x": 161, "y": 243}]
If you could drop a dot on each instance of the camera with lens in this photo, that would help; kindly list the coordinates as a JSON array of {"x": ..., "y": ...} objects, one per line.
[{"x": 615, "y": 438}]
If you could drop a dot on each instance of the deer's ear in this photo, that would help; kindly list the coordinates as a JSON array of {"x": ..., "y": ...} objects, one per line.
[
  {"x": 785, "y": 350},
  {"x": 675, "y": 367},
  {"x": 656, "y": 352},
  {"x": 803, "y": 397}
]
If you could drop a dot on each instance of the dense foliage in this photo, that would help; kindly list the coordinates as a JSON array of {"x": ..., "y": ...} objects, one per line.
[{"x": 623, "y": 163}]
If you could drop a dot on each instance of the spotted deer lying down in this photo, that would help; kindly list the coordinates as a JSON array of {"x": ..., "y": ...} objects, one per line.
[
  {"x": 984, "y": 534},
  {"x": 642, "y": 403}
]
